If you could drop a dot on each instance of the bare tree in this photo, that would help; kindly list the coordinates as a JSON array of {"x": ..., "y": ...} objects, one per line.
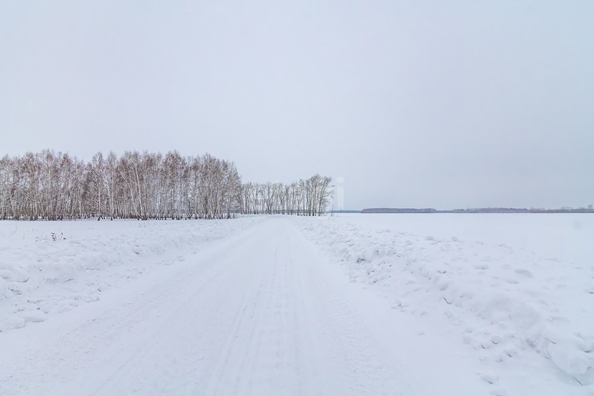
[{"x": 56, "y": 186}]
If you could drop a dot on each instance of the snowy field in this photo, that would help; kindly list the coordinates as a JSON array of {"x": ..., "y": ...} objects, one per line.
[
  {"x": 439, "y": 304},
  {"x": 517, "y": 288}
]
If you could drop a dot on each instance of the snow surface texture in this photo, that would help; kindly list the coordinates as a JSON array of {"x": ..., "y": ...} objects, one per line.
[
  {"x": 517, "y": 306},
  {"x": 261, "y": 312},
  {"x": 52, "y": 267},
  {"x": 430, "y": 305}
]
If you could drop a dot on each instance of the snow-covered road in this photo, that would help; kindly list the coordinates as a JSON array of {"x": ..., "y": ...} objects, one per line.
[{"x": 260, "y": 313}]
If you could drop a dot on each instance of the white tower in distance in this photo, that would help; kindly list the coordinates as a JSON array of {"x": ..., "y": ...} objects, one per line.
[{"x": 340, "y": 193}]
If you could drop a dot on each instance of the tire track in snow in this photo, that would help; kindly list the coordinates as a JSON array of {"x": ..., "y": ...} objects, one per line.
[{"x": 362, "y": 368}]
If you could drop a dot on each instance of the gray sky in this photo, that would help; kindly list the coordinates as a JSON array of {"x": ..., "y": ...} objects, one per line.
[{"x": 416, "y": 103}]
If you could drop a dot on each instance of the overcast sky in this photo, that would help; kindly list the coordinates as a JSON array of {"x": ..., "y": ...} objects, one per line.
[{"x": 445, "y": 104}]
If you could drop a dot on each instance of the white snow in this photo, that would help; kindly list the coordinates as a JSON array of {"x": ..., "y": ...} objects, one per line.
[
  {"x": 384, "y": 304},
  {"x": 52, "y": 267},
  {"x": 518, "y": 289}
]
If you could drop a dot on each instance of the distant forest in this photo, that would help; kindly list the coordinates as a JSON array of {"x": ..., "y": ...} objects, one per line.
[
  {"x": 57, "y": 186},
  {"x": 479, "y": 210},
  {"x": 398, "y": 210}
]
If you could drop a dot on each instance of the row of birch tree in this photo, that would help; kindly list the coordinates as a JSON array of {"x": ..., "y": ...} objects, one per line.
[
  {"x": 56, "y": 186},
  {"x": 308, "y": 197}
]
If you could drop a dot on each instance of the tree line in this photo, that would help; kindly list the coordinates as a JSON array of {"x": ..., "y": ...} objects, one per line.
[
  {"x": 56, "y": 186},
  {"x": 308, "y": 197}
]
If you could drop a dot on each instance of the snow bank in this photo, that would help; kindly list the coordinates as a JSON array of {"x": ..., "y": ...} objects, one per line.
[
  {"x": 51, "y": 267},
  {"x": 508, "y": 303}
]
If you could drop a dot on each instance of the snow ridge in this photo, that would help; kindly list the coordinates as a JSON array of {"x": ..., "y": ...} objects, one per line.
[
  {"x": 52, "y": 267},
  {"x": 506, "y": 303}
]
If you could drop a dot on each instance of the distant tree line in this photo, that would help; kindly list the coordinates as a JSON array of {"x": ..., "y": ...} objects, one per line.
[
  {"x": 399, "y": 210},
  {"x": 479, "y": 210},
  {"x": 56, "y": 186},
  {"x": 524, "y": 210},
  {"x": 308, "y": 197}
]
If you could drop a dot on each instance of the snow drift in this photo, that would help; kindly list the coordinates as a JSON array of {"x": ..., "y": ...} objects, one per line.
[
  {"x": 51, "y": 267},
  {"x": 508, "y": 303}
]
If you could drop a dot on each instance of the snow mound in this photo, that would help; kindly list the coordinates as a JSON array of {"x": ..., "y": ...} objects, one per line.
[
  {"x": 52, "y": 267},
  {"x": 506, "y": 302}
]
